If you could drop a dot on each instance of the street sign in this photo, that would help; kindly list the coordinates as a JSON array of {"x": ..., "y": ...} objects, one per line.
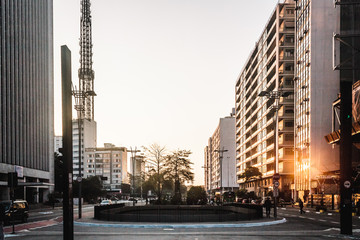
[
  {"x": 276, "y": 184},
  {"x": 347, "y": 184},
  {"x": 276, "y": 176}
]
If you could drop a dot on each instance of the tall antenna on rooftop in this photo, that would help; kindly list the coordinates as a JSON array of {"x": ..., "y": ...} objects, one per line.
[{"x": 86, "y": 73}]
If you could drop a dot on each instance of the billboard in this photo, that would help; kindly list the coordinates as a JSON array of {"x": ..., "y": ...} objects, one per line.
[{"x": 356, "y": 101}]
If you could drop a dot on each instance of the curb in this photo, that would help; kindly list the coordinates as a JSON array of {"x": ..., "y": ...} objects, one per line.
[{"x": 176, "y": 226}]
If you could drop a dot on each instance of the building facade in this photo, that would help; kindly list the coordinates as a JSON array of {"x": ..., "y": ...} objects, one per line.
[
  {"x": 270, "y": 68},
  {"x": 27, "y": 97},
  {"x": 316, "y": 86},
  {"x": 88, "y": 140},
  {"x": 109, "y": 163},
  {"x": 220, "y": 158}
]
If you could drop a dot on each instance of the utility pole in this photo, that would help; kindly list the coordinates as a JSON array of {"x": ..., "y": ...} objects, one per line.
[
  {"x": 133, "y": 157},
  {"x": 276, "y": 96},
  {"x": 221, "y": 153}
]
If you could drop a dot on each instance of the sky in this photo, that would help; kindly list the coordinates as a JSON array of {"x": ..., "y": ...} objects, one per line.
[{"x": 165, "y": 70}]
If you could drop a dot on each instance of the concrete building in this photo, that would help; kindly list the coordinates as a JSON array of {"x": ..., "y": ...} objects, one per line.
[
  {"x": 220, "y": 158},
  {"x": 270, "y": 67},
  {"x": 108, "y": 162},
  {"x": 27, "y": 98},
  {"x": 88, "y": 140},
  {"x": 316, "y": 87},
  {"x": 137, "y": 171},
  {"x": 57, "y": 144}
]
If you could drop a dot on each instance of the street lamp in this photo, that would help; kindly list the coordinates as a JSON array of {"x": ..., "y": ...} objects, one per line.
[
  {"x": 276, "y": 95},
  {"x": 221, "y": 152}
]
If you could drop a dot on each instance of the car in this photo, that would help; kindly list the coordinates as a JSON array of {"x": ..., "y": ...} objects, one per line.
[
  {"x": 105, "y": 202},
  {"x": 16, "y": 211},
  {"x": 133, "y": 199}
]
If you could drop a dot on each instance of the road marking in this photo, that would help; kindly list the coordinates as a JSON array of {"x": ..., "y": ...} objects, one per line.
[
  {"x": 335, "y": 222},
  {"x": 45, "y": 213},
  {"x": 283, "y": 208},
  {"x": 330, "y": 214},
  {"x": 312, "y": 218},
  {"x": 322, "y": 220},
  {"x": 307, "y": 211},
  {"x": 168, "y": 229},
  {"x": 317, "y": 212},
  {"x": 301, "y": 217},
  {"x": 330, "y": 229}
]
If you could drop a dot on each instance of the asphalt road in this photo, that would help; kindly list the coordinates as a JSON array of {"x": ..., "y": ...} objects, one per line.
[{"x": 310, "y": 225}]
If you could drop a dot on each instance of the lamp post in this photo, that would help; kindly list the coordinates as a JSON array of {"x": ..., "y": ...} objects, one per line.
[
  {"x": 276, "y": 95},
  {"x": 221, "y": 152},
  {"x": 208, "y": 183}
]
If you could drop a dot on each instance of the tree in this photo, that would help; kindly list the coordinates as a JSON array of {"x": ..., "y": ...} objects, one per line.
[
  {"x": 251, "y": 173},
  {"x": 91, "y": 188},
  {"x": 242, "y": 193},
  {"x": 156, "y": 156},
  {"x": 178, "y": 169},
  {"x": 196, "y": 195}
]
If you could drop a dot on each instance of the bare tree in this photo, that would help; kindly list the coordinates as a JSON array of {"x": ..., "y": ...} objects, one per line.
[{"x": 155, "y": 155}]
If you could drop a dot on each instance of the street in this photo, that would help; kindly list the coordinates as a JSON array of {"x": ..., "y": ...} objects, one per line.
[{"x": 292, "y": 225}]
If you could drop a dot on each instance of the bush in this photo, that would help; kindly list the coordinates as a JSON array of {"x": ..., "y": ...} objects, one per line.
[{"x": 196, "y": 195}]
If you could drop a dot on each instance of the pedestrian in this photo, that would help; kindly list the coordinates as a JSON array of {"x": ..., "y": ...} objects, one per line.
[
  {"x": 267, "y": 205},
  {"x": 2, "y": 219},
  {"x": 301, "y": 205}
]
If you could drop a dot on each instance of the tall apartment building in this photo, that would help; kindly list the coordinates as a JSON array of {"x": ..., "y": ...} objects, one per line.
[
  {"x": 58, "y": 143},
  {"x": 270, "y": 67},
  {"x": 88, "y": 140},
  {"x": 27, "y": 97},
  {"x": 108, "y": 162},
  {"x": 220, "y": 158},
  {"x": 316, "y": 87}
]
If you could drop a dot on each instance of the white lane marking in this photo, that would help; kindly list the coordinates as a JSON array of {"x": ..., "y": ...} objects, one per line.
[
  {"x": 312, "y": 218},
  {"x": 335, "y": 222},
  {"x": 307, "y": 211},
  {"x": 13, "y": 235},
  {"x": 45, "y": 213},
  {"x": 322, "y": 220},
  {"x": 168, "y": 229},
  {"x": 301, "y": 217},
  {"x": 330, "y": 229},
  {"x": 317, "y": 212},
  {"x": 283, "y": 208},
  {"x": 330, "y": 214}
]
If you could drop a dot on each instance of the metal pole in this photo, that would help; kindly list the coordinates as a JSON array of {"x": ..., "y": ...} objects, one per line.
[
  {"x": 80, "y": 149},
  {"x": 276, "y": 151},
  {"x": 68, "y": 211}
]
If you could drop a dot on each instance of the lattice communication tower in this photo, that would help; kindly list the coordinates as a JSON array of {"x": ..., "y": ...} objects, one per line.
[{"x": 86, "y": 73}]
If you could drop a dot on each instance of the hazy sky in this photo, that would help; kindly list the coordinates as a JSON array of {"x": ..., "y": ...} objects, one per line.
[{"x": 165, "y": 70}]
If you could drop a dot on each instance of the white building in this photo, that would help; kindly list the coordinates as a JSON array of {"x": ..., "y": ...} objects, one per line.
[
  {"x": 270, "y": 68},
  {"x": 109, "y": 163},
  {"x": 57, "y": 144},
  {"x": 220, "y": 170},
  {"x": 88, "y": 140}
]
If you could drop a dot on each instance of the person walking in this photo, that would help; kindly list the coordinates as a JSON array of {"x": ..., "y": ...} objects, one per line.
[
  {"x": 301, "y": 205},
  {"x": 267, "y": 205}
]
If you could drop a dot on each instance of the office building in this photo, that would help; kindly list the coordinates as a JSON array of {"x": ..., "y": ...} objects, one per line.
[
  {"x": 27, "y": 98},
  {"x": 269, "y": 68}
]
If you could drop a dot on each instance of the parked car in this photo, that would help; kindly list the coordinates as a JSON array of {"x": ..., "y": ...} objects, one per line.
[
  {"x": 17, "y": 211},
  {"x": 105, "y": 202}
]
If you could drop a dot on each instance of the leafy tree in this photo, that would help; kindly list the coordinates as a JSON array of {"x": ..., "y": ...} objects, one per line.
[
  {"x": 178, "y": 169},
  {"x": 156, "y": 156},
  {"x": 196, "y": 195},
  {"x": 251, "y": 173},
  {"x": 242, "y": 193},
  {"x": 91, "y": 188}
]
